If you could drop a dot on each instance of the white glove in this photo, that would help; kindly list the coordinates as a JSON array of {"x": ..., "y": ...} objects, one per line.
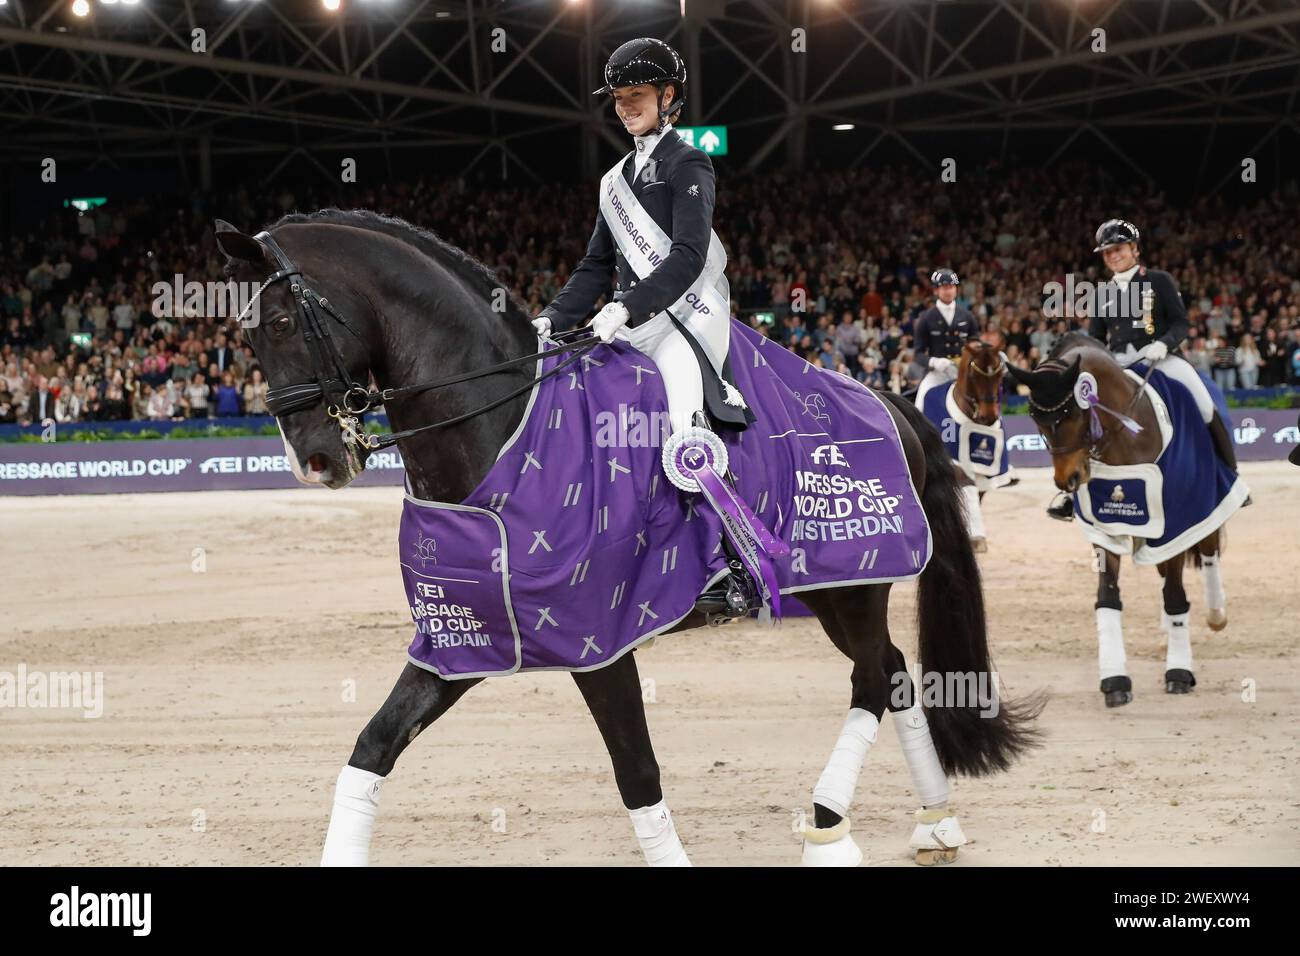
[
  {"x": 543, "y": 326},
  {"x": 609, "y": 320},
  {"x": 940, "y": 364},
  {"x": 1155, "y": 351}
]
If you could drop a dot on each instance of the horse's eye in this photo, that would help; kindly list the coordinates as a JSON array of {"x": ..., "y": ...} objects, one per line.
[{"x": 281, "y": 325}]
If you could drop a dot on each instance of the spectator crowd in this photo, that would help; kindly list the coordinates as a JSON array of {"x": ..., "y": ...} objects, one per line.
[{"x": 832, "y": 264}]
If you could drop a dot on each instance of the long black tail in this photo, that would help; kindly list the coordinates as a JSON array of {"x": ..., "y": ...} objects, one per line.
[{"x": 979, "y": 737}]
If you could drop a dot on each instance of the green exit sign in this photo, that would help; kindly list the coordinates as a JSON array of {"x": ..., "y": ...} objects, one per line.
[
  {"x": 85, "y": 205},
  {"x": 711, "y": 139}
]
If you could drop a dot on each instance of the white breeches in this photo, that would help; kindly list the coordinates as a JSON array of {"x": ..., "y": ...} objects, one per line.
[
  {"x": 933, "y": 379},
  {"x": 1183, "y": 372},
  {"x": 666, "y": 344}
]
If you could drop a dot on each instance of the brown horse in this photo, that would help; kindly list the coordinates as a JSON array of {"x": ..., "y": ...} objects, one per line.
[
  {"x": 978, "y": 391},
  {"x": 1077, "y": 449},
  {"x": 978, "y": 396}
]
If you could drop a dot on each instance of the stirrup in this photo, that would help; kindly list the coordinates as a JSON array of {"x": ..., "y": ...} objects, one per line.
[
  {"x": 1062, "y": 507},
  {"x": 733, "y": 596}
]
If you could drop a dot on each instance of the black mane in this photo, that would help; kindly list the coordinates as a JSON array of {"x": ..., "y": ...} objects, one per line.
[
  {"x": 1067, "y": 341},
  {"x": 475, "y": 274}
]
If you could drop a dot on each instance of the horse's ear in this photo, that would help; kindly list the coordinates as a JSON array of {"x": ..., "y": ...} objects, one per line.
[
  {"x": 235, "y": 245},
  {"x": 1020, "y": 376},
  {"x": 1071, "y": 374}
]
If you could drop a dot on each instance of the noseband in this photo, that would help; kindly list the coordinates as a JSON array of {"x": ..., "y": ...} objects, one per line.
[
  {"x": 996, "y": 371},
  {"x": 348, "y": 398}
]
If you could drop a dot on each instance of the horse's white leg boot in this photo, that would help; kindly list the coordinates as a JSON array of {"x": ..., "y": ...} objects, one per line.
[
  {"x": 356, "y": 802},
  {"x": 1216, "y": 601},
  {"x": 834, "y": 846},
  {"x": 1178, "y": 658},
  {"x": 974, "y": 517},
  {"x": 937, "y": 835},
  {"x": 1111, "y": 660},
  {"x": 657, "y": 835}
]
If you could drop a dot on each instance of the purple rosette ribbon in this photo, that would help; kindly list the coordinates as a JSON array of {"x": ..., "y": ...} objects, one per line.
[
  {"x": 1085, "y": 392},
  {"x": 755, "y": 545}
]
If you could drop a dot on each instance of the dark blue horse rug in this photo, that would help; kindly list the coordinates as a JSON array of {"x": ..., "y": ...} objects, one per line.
[
  {"x": 1166, "y": 507},
  {"x": 576, "y": 548},
  {"x": 978, "y": 450}
]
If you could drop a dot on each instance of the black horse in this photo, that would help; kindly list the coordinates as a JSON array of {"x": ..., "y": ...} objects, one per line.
[{"x": 351, "y": 295}]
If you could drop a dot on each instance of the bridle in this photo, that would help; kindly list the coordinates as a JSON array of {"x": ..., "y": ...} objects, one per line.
[
  {"x": 970, "y": 395},
  {"x": 1093, "y": 444},
  {"x": 347, "y": 398}
]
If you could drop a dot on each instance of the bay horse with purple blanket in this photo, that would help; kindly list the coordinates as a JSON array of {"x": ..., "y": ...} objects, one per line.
[{"x": 347, "y": 297}]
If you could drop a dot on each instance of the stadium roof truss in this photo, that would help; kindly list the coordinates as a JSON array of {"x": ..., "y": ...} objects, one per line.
[{"x": 498, "y": 78}]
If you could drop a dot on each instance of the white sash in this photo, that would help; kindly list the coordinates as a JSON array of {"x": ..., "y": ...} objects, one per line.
[{"x": 705, "y": 308}]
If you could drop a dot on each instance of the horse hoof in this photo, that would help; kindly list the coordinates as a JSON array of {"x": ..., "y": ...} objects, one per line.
[
  {"x": 1118, "y": 691},
  {"x": 1179, "y": 681},
  {"x": 1217, "y": 618},
  {"x": 979, "y": 545},
  {"x": 936, "y": 857},
  {"x": 830, "y": 846}
]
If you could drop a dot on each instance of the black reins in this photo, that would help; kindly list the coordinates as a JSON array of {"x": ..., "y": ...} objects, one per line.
[{"x": 349, "y": 398}]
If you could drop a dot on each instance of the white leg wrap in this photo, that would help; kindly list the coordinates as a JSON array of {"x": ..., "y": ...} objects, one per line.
[
  {"x": 918, "y": 750},
  {"x": 834, "y": 789},
  {"x": 356, "y": 802},
  {"x": 1212, "y": 577},
  {"x": 974, "y": 517},
  {"x": 657, "y": 835},
  {"x": 1179, "y": 654},
  {"x": 1111, "y": 661}
]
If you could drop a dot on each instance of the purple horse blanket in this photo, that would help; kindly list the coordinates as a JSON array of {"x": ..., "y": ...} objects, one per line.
[{"x": 575, "y": 548}]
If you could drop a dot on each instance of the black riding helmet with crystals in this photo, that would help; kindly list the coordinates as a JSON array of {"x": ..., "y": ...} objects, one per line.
[
  {"x": 944, "y": 277},
  {"x": 1115, "y": 232},
  {"x": 647, "y": 60}
]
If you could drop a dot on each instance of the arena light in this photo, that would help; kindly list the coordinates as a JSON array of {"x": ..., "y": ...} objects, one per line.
[
  {"x": 841, "y": 127},
  {"x": 80, "y": 8},
  {"x": 330, "y": 5}
]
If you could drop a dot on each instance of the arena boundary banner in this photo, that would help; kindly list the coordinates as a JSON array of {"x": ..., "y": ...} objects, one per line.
[
  {"x": 72, "y": 468},
  {"x": 1259, "y": 434},
  {"x": 200, "y": 464}
]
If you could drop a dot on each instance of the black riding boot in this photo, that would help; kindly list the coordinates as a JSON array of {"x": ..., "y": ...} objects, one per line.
[
  {"x": 735, "y": 594},
  {"x": 1062, "y": 507},
  {"x": 1223, "y": 441},
  {"x": 1224, "y": 447}
]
